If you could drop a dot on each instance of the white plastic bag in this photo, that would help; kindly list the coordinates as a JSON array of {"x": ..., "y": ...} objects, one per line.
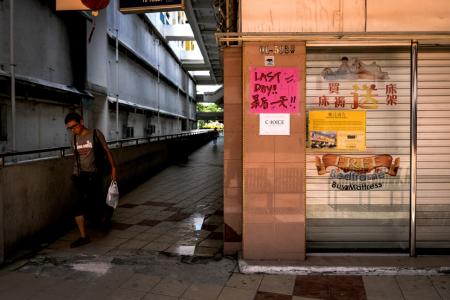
[{"x": 112, "y": 199}]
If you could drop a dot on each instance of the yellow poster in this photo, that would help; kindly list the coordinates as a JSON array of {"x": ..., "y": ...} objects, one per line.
[{"x": 340, "y": 130}]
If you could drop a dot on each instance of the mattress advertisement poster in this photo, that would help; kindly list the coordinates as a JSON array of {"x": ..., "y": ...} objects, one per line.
[{"x": 340, "y": 130}]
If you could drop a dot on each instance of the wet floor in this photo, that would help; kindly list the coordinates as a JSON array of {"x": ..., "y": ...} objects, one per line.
[{"x": 177, "y": 212}]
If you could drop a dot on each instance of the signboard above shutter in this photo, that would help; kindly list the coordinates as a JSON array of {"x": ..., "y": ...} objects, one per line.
[{"x": 143, "y": 6}]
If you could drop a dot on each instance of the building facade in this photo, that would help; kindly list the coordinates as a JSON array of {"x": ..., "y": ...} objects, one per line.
[{"x": 340, "y": 113}]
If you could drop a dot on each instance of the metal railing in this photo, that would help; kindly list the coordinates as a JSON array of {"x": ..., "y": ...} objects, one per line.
[{"x": 10, "y": 158}]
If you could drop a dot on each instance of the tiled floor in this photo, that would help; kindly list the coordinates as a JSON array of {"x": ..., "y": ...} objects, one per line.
[
  {"x": 178, "y": 212},
  {"x": 166, "y": 243}
]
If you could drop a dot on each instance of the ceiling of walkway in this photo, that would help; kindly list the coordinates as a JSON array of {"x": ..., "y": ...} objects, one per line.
[{"x": 207, "y": 17}]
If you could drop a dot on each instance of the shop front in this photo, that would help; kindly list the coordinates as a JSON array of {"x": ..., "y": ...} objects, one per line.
[
  {"x": 337, "y": 142},
  {"x": 343, "y": 149}
]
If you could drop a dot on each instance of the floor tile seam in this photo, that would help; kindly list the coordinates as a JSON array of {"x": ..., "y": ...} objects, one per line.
[
  {"x": 185, "y": 194},
  {"x": 178, "y": 297},
  {"x": 221, "y": 291},
  {"x": 437, "y": 289},
  {"x": 399, "y": 287},
  {"x": 118, "y": 246},
  {"x": 430, "y": 283}
]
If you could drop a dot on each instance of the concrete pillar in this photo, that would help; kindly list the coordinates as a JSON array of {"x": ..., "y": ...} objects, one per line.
[
  {"x": 232, "y": 184},
  {"x": 273, "y": 165}
]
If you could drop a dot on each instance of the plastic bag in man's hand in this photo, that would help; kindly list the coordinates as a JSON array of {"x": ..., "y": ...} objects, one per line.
[{"x": 112, "y": 199}]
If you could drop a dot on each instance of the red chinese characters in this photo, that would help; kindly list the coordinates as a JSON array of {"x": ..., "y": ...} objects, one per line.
[
  {"x": 333, "y": 87},
  {"x": 274, "y": 90},
  {"x": 391, "y": 94},
  {"x": 363, "y": 96}
]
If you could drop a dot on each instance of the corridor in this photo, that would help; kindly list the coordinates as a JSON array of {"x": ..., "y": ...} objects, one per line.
[{"x": 177, "y": 212}]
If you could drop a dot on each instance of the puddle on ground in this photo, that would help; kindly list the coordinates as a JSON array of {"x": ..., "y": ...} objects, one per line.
[
  {"x": 99, "y": 268},
  {"x": 198, "y": 223}
]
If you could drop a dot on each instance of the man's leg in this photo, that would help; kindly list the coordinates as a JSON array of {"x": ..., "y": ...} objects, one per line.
[
  {"x": 80, "y": 182},
  {"x": 100, "y": 213},
  {"x": 81, "y": 225},
  {"x": 96, "y": 199},
  {"x": 84, "y": 239}
]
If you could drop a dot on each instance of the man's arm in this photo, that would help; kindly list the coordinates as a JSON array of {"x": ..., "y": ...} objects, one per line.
[{"x": 101, "y": 137}]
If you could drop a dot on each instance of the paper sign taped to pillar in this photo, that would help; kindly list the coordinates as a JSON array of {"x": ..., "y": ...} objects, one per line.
[{"x": 274, "y": 90}]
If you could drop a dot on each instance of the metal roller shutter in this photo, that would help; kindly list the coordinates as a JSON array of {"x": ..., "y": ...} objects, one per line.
[
  {"x": 433, "y": 149},
  {"x": 376, "y": 219}
]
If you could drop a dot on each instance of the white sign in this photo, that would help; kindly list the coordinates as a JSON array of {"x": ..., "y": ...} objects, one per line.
[{"x": 274, "y": 124}]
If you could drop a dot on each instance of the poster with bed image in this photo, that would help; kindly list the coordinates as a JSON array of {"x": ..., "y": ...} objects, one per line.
[{"x": 339, "y": 130}]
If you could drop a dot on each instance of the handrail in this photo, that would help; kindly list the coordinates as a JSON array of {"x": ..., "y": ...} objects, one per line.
[
  {"x": 118, "y": 144},
  {"x": 7, "y": 154}
]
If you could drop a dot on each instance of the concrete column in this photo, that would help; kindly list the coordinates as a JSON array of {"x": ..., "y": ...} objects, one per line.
[
  {"x": 232, "y": 159},
  {"x": 274, "y": 165}
]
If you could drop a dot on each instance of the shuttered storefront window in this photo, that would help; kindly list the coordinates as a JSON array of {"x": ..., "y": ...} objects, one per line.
[
  {"x": 433, "y": 149},
  {"x": 358, "y": 165}
]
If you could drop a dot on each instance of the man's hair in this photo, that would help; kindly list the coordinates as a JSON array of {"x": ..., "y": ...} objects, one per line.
[{"x": 72, "y": 116}]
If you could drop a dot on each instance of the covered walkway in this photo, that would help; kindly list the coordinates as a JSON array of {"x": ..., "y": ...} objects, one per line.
[{"x": 166, "y": 243}]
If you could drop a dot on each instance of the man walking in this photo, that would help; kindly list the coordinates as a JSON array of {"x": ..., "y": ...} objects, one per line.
[
  {"x": 87, "y": 179},
  {"x": 215, "y": 136}
]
